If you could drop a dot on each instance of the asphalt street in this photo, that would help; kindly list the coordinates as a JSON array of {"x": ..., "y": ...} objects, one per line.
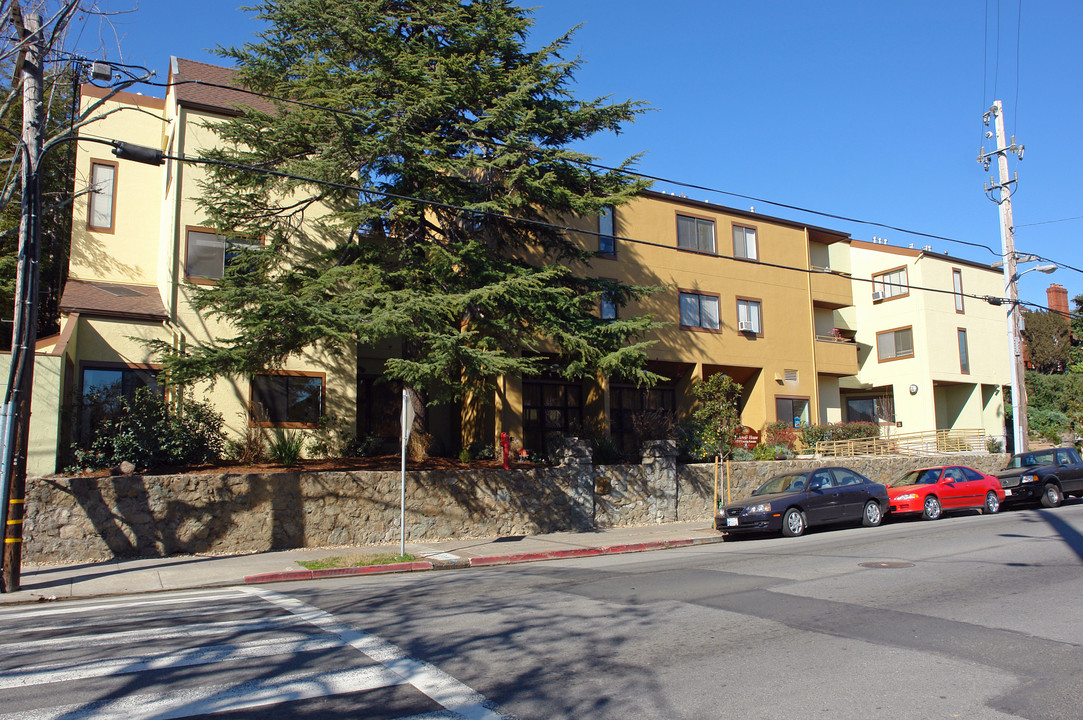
[{"x": 967, "y": 617}]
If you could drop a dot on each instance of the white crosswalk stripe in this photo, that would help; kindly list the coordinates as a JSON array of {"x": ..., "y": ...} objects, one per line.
[{"x": 194, "y": 654}]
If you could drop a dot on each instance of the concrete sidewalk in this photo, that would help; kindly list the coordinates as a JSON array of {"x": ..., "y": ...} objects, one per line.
[{"x": 120, "y": 577}]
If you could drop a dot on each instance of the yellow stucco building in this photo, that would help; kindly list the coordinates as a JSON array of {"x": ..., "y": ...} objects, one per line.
[{"x": 768, "y": 301}]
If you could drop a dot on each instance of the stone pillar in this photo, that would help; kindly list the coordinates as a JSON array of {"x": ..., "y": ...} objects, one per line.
[
  {"x": 660, "y": 474},
  {"x": 576, "y": 455}
]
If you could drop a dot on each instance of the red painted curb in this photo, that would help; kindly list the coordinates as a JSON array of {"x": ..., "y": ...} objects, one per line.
[
  {"x": 337, "y": 572},
  {"x": 533, "y": 557},
  {"x": 480, "y": 561}
]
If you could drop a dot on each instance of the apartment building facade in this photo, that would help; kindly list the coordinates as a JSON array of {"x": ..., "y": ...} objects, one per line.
[
  {"x": 933, "y": 353},
  {"x": 773, "y": 303}
]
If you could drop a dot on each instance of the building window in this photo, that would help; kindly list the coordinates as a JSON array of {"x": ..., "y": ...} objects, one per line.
[
  {"x": 549, "y": 407},
  {"x": 699, "y": 311},
  {"x": 895, "y": 344},
  {"x": 608, "y": 308},
  {"x": 744, "y": 242},
  {"x": 748, "y": 316},
  {"x": 287, "y": 400},
  {"x": 792, "y": 410},
  {"x": 103, "y": 196},
  {"x": 208, "y": 254},
  {"x": 871, "y": 409},
  {"x": 964, "y": 353},
  {"x": 606, "y": 242},
  {"x": 891, "y": 284},
  {"x": 105, "y": 388},
  {"x": 695, "y": 234},
  {"x": 957, "y": 280},
  {"x": 626, "y": 402}
]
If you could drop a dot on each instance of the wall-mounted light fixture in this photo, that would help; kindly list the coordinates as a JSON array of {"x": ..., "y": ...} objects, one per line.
[{"x": 913, "y": 389}]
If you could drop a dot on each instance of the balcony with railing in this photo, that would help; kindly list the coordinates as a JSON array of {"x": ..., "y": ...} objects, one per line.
[
  {"x": 836, "y": 355},
  {"x": 830, "y": 288}
]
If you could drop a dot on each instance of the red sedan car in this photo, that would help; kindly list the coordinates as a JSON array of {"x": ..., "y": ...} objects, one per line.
[{"x": 931, "y": 491}]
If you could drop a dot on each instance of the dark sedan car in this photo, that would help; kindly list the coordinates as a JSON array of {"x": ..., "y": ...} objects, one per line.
[{"x": 794, "y": 501}]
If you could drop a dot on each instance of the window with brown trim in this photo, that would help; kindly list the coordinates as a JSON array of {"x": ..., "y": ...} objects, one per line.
[
  {"x": 895, "y": 344},
  {"x": 105, "y": 387},
  {"x": 207, "y": 254},
  {"x": 607, "y": 244},
  {"x": 792, "y": 410},
  {"x": 891, "y": 284},
  {"x": 964, "y": 352},
  {"x": 744, "y": 242},
  {"x": 102, "y": 205},
  {"x": 287, "y": 399},
  {"x": 695, "y": 233},
  {"x": 749, "y": 316},
  {"x": 699, "y": 311},
  {"x": 957, "y": 283}
]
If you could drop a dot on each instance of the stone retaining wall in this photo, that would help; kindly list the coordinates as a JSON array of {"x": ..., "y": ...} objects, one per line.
[{"x": 87, "y": 519}]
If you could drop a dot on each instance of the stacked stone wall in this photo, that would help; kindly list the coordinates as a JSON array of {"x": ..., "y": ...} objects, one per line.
[{"x": 87, "y": 519}]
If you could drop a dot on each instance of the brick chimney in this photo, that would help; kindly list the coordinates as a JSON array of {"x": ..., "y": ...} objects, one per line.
[{"x": 1057, "y": 299}]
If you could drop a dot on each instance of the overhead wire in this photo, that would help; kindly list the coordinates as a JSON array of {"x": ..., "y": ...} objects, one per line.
[
  {"x": 548, "y": 225},
  {"x": 625, "y": 171}
]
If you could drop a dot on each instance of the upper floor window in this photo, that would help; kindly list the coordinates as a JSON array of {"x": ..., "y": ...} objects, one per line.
[
  {"x": 606, "y": 242},
  {"x": 208, "y": 254},
  {"x": 893, "y": 283},
  {"x": 695, "y": 234},
  {"x": 964, "y": 353},
  {"x": 748, "y": 316},
  {"x": 103, "y": 195},
  {"x": 957, "y": 282},
  {"x": 287, "y": 399},
  {"x": 895, "y": 344},
  {"x": 744, "y": 242},
  {"x": 699, "y": 311}
]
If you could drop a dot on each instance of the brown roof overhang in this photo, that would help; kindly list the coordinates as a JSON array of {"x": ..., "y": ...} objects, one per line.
[
  {"x": 186, "y": 76},
  {"x": 113, "y": 300}
]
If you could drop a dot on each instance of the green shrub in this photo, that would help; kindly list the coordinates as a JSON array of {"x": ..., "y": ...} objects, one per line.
[
  {"x": 741, "y": 455},
  {"x": 148, "y": 433},
  {"x": 993, "y": 445},
  {"x": 812, "y": 434},
  {"x": 285, "y": 448}
]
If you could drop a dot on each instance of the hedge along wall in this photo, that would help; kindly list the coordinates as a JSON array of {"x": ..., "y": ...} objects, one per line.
[{"x": 88, "y": 519}]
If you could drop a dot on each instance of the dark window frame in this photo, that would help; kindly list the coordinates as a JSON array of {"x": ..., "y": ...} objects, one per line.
[{"x": 288, "y": 421}]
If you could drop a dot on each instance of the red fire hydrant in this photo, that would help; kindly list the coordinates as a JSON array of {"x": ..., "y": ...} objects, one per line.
[{"x": 505, "y": 448}]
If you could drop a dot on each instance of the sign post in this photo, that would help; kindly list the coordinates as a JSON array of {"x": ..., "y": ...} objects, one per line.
[{"x": 407, "y": 426}]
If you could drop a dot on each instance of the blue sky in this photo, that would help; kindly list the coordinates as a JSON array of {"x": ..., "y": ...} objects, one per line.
[{"x": 865, "y": 109}]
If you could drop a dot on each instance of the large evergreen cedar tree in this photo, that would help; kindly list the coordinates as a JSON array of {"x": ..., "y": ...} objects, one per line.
[{"x": 452, "y": 127}]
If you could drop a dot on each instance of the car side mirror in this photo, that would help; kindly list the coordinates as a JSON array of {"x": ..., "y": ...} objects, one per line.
[{"x": 815, "y": 485}]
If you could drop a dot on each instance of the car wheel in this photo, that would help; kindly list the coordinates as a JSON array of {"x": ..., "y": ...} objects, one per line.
[
  {"x": 932, "y": 508},
  {"x": 992, "y": 504},
  {"x": 793, "y": 523},
  {"x": 872, "y": 516},
  {"x": 1051, "y": 496}
]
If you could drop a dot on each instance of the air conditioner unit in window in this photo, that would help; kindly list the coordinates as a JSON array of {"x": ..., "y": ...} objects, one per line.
[
  {"x": 877, "y": 296},
  {"x": 745, "y": 326}
]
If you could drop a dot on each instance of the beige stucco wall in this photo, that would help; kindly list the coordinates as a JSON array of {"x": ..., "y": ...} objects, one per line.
[
  {"x": 45, "y": 403},
  {"x": 945, "y": 396}
]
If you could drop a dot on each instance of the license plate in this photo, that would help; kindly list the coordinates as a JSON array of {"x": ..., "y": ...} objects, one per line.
[
  {"x": 731, "y": 522},
  {"x": 1007, "y": 493}
]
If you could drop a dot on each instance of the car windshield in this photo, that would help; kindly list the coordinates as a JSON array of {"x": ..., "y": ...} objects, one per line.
[
  {"x": 781, "y": 484},
  {"x": 928, "y": 476},
  {"x": 1045, "y": 457}
]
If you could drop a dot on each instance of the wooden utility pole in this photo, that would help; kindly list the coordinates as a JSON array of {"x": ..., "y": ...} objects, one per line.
[
  {"x": 1011, "y": 276},
  {"x": 16, "y": 409}
]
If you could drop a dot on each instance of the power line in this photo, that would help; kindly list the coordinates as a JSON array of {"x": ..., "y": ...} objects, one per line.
[
  {"x": 993, "y": 300},
  {"x": 624, "y": 171}
]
